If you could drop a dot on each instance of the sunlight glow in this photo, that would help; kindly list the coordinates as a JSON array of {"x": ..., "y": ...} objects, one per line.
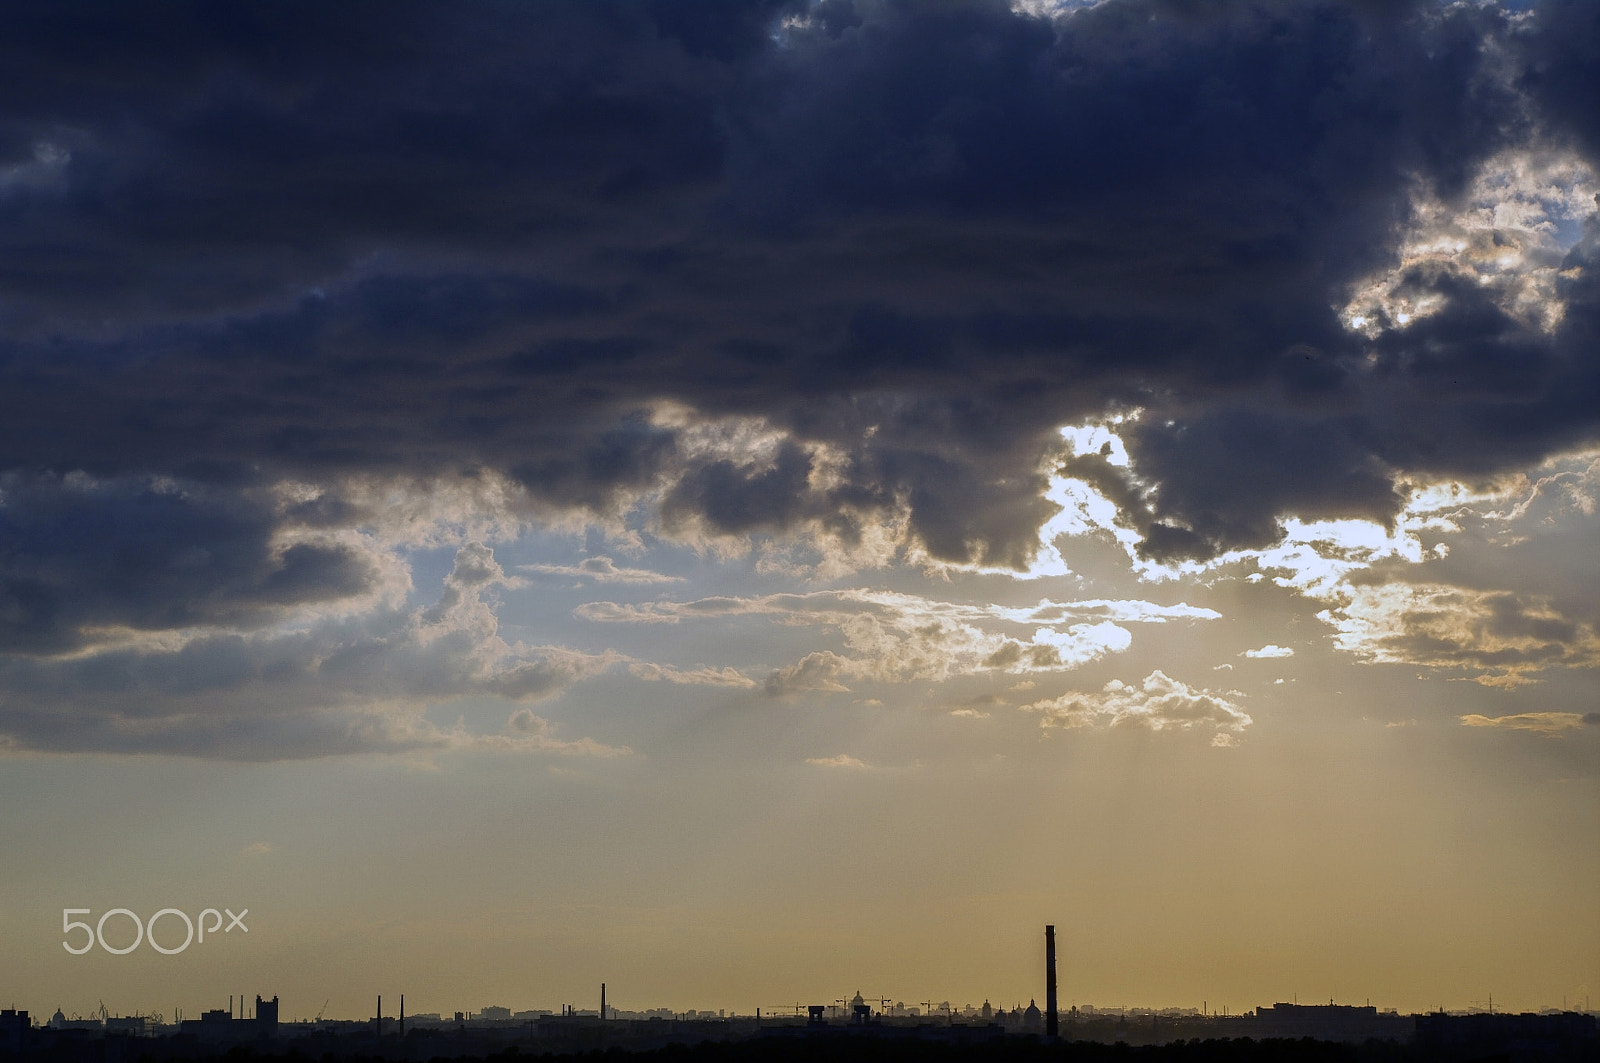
[
  {"x": 1388, "y": 621},
  {"x": 1510, "y": 233}
]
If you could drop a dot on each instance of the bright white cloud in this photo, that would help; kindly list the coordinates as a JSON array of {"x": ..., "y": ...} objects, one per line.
[
  {"x": 1160, "y": 703},
  {"x": 1134, "y": 611},
  {"x": 1269, "y": 650},
  {"x": 1077, "y": 645}
]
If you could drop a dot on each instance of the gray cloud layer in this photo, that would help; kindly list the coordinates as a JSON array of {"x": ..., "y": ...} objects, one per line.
[
  {"x": 341, "y": 686},
  {"x": 253, "y": 243}
]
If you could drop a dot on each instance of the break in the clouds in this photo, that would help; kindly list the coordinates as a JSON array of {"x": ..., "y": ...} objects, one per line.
[
  {"x": 1494, "y": 584},
  {"x": 896, "y": 637},
  {"x": 1491, "y": 580},
  {"x": 292, "y": 291}
]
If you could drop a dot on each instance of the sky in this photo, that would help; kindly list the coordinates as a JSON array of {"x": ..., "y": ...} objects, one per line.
[{"x": 753, "y": 501}]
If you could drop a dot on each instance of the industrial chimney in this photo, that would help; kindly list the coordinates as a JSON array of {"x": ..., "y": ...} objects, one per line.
[{"x": 1050, "y": 1017}]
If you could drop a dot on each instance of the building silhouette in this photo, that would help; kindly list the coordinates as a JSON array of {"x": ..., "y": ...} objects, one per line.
[{"x": 14, "y": 1027}]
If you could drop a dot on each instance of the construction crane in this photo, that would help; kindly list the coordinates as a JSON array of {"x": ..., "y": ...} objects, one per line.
[
  {"x": 321, "y": 1010},
  {"x": 780, "y": 1007}
]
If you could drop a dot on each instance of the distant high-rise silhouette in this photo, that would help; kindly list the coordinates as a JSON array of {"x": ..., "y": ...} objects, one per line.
[
  {"x": 1050, "y": 1022},
  {"x": 267, "y": 1016}
]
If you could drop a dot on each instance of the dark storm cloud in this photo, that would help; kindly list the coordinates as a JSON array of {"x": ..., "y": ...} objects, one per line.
[
  {"x": 1559, "y": 51},
  {"x": 221, "y": 151},
  {"x": 250, "y": 242},
  {"x": 77, "y": 553}
]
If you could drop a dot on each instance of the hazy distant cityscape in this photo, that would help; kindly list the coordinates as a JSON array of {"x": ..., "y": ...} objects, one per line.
[
  {"x": 260, "y": 1023},
  {"x": 256, "y": 1024},
  {"x": 241, "y": 1021}
]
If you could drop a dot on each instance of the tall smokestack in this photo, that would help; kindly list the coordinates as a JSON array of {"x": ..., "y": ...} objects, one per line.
[
  {"x": 602, "y": 1002},
  {"x": 1050, "y": 1017},
  {"x": 378, "y": 1025}
]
